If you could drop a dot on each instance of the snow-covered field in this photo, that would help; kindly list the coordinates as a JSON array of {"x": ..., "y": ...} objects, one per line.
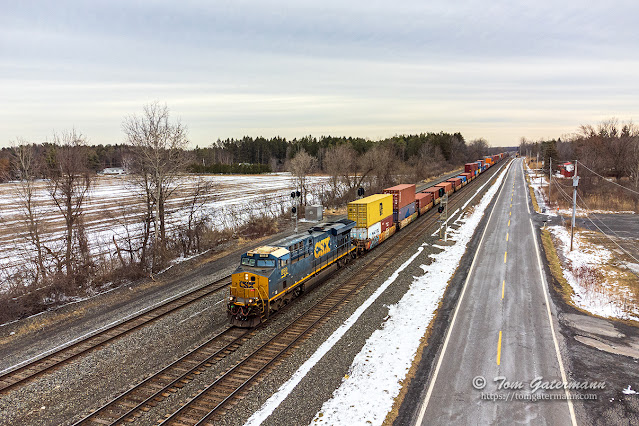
[
  {"x": 376, "y": 374},
  {"x": 113, "y": 208},
  {"x": 596, "y": 288}
]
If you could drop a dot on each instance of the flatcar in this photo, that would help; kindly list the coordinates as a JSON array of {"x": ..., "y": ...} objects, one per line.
[{"x": 269, "y": 277}]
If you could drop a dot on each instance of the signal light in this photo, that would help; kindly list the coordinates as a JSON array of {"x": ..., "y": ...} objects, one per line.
[
  {"x": 440, "y": 209},
  {"x": 294, "y": 210}
]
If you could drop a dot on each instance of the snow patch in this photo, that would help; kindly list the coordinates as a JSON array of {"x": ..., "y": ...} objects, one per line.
[
  {"x": 378, "y": 370},
  {"x": 606, "y": 299}
]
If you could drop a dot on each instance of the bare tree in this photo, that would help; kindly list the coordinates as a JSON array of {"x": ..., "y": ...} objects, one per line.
[
  {"x": 158, "y": 151},
  {"x": 340, "y": 162},
  {"x": 381, "y": 162},
  {"x": 478, "y": 148},
  {"x": 301, "y": 166},
  {"x": 196, "y": 217},
  {"x": 26, "y": 170},
  {"x": 69, "y": 183}
]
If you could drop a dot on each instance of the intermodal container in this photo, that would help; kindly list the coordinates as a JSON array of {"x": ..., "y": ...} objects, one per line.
[
  {"x": 367, "y": 233},
  {"x": 370, "y": 210},
  {"x": 403, "y": 195},
  {"x": 436, "y": 192},
  {"x": 496, "y": 158},
  {"x": 468, "y": 176},
  {"x": 470, "y": 167},
  {"x": 423, "y": 201},
  {"x": 464, "y": 179},
  {"x": 457, "y": 183},
  {"x": 448, "y": 187},
  {"x": 387, "y": 223},
  {"x": 404, "y": 212}
]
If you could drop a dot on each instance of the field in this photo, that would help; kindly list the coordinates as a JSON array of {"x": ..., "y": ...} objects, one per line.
[{"x": 114, "y": 208}]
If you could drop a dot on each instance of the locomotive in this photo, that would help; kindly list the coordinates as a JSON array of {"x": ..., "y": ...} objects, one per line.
[{"x": 269, "y": 277}]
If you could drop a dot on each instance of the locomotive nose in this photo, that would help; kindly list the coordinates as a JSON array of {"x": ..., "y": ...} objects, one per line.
[{"x": 245, "y": 288}]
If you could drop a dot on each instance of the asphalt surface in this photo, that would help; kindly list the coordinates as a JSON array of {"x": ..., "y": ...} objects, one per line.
[{"x": 501, "y": 330}]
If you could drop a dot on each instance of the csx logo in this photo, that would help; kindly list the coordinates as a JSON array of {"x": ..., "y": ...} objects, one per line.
[
  {"x": 321, "y": 247},
  {"x": 246, "y": 284}
]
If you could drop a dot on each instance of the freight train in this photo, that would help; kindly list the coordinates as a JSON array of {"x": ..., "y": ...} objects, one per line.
[{"x": 269, "y": 277}]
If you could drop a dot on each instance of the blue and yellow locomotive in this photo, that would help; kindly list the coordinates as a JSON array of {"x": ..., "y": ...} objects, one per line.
[{"x": 269, "y": 277}]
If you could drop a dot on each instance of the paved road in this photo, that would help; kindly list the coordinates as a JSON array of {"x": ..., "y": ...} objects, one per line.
[{"x": 501, "y": 329}]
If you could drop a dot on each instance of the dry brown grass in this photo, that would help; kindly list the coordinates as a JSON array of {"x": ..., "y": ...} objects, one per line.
[
  {"x": 600, "y": 200},
  {"x": 563, "y": 288},
  {"x": 532, "y": 195}
]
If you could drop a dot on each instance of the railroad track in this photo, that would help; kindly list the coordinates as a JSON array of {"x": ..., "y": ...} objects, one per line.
[
  {"x": 127, "y": 406},
  {"x": 217, "y": 398},
  {"x": 54, "y": 360}
]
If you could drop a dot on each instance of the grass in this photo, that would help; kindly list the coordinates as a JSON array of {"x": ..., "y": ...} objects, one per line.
[
  {"x": 599, "y": 200},
  {"x": 616, "y": 270},
  {"x": 562, "y": 286},
  {"x": 532, "y": 195}
]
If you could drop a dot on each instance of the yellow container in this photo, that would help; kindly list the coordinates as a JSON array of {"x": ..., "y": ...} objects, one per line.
[{"x": 370, "y": 210}]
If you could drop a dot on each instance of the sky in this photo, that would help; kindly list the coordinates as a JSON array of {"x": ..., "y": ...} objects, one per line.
[{"x": 496, "y": 69}]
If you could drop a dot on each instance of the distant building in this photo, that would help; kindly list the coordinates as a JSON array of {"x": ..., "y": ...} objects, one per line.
[
  {"x": 566, "y": 169},
  {"x": 113, "y": 171}
]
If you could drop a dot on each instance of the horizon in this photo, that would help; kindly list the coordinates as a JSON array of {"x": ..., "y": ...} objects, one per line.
[{"x": 364, "y": 69}]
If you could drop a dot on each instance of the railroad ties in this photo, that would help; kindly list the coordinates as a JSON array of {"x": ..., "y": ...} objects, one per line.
[
  {"x": 212, "y": 402},
  {"x": 52, "y": 361}
]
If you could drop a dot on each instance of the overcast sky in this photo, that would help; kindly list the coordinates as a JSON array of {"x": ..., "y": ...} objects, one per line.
[{"x": 494, "y": 69}]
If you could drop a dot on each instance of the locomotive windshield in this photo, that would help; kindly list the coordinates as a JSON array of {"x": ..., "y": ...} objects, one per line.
[
  {"x": 265, "y": 263},
  {"x": 260, "y": 263}
]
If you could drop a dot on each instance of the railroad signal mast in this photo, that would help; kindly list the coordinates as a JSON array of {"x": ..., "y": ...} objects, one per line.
[
  {"x": 443, "y": 217},
  {"x": 295, "y": 195}
]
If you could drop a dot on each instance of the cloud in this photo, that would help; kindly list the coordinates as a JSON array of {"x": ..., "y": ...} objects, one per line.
[{"x": 292, "y": 68}]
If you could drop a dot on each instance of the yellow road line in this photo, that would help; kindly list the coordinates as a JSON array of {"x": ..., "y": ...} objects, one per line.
[
  {"x": 510, "y": 213},
  {"x": 506, "y": 236},
  {"x": 499, "y": 349},
  {"x": 503, "y": 288},
  {"x": 505, "y": 253},
  {"x": 508, "y": 222}
]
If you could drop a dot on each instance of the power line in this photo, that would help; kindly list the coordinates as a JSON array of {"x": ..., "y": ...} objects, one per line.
[
  {"x": 600, "y": 230},
  {"x": 614, "y": 183}
]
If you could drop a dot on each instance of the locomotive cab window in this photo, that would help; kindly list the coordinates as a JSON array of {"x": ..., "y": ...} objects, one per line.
[
  {"x": 247, "y": 261},
  {"x": 266, "y": 263}
]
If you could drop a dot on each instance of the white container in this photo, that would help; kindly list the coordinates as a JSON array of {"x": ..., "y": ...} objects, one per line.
[{"x": 367, "y": 233}]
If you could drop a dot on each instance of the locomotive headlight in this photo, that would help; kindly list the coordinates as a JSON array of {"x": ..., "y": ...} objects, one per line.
[{"x": 231, "y": 299}]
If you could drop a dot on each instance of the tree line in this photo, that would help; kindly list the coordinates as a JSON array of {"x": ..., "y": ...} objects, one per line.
[
  {"x": 606, "y": 151},
  {"x": 156, "y": 156}
]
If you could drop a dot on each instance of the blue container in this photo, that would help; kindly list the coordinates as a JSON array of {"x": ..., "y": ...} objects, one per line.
[
  {"x": 403, "y": 213},
  {"x": 463, "y": 178}
]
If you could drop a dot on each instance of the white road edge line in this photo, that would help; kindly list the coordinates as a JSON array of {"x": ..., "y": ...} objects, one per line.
[
  {"x": 544, "y": 286},
  {"x": 422, "y": 411}
]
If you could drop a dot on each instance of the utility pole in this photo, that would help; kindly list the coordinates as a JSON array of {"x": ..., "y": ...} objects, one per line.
[
  {"x": 549, "y": 180},
  {"x": 575, "y": 182}
]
